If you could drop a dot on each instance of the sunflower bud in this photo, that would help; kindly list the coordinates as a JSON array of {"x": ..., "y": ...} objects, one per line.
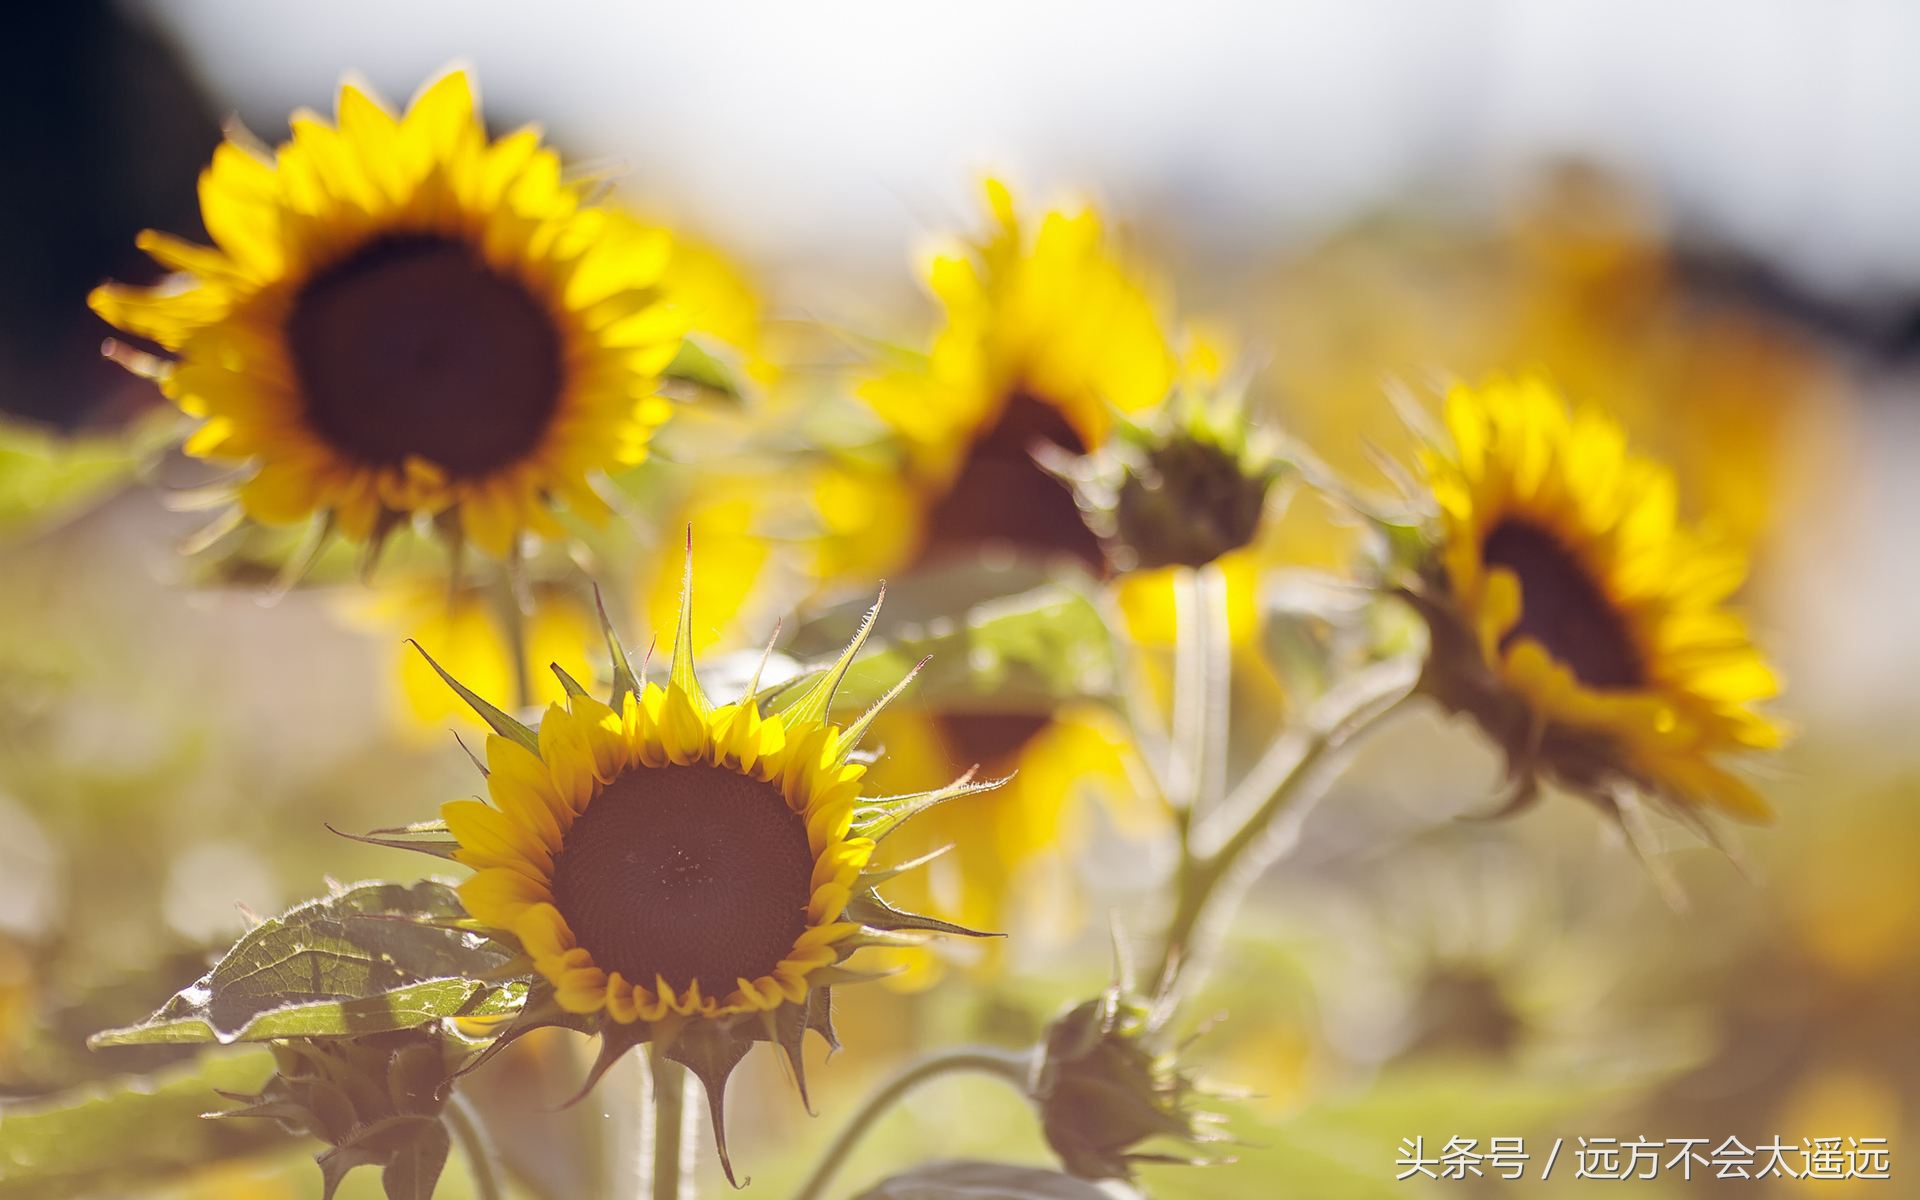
[
  {"x": 1106, "y": 1083},
  {"x": 373, "y": 1100},
  {"x": 1184, "y": 488}
]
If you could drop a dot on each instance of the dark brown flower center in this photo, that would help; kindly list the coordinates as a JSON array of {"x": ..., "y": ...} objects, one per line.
[
  {"x": 693, "y": 874},
  {"x": 1563, "y": 608},
  {"x": 414, "y": 346},
  {"x": 1001, "y": 496}
]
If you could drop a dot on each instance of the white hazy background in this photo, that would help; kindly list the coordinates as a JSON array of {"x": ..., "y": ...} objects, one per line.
[{"x": 829, "y": 128}]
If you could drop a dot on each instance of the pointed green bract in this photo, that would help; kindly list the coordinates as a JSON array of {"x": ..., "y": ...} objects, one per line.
[
  {"x": 498, "y": 721},
  {"x": 681, "y": 673},
  {"x": 855, "y": 733},
  {"x": 712, "y": 1053},
  {"x": 883, "y": 816},
  {"x": 811, "y": 706},
  {"x": 869, "y": 909},
  {"x": 567, "y": 682},
  {"x": 424, "y": 837},
  {"x": 624, "y": 683}
]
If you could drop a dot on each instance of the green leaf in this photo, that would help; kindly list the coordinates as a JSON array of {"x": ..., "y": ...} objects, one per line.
[
  {"x": 45, "y": 477},
  {"x": 1030, "y": 652},
  {"x": 132, "y": 1132},
  {"x": 368, "y": 960},
  {"x": 968, "y": 1179},
  {"x": 704, "y": 370}
]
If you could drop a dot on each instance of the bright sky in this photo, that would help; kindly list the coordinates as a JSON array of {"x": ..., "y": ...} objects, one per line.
[{"x": 843, "y": 128}]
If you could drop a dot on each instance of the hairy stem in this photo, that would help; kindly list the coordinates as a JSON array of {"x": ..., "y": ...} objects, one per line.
[
  {"x": 1187, "y": 765},
  {"x": 1226, "y": 851},
  {"x": 468, "y": 1130},
  {"x": 1010, "y": 1066},
  {"x": 513, "y": 624},
  {"x": 671, "y": 1180}
]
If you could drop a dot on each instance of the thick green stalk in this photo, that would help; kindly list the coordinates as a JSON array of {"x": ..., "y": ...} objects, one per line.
[
  {"x": 1009, "y": 1066},
  {"x": 467, "y": 1129},
  {"x": 1234, "y": 844},
  {"x": 671, "y": 1181}
]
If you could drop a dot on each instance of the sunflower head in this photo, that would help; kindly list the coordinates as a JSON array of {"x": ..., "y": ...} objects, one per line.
[
  {"x": 400, "y": 316},
  {"x": 1047, "y": 332},
  {"x": 1106, "y": 1081},
  {"x": 681, "y": 872},
  {"x": 1576, "y": 618},
  {"x": 1180, "y": 488}
]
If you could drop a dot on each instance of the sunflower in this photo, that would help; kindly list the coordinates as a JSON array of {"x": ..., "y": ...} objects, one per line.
[
  {"x": 400, "y": 316},
  {"x": 1044, "y": 337},
  {"x": 682, "y": 872},
  {"x": 1046, "y": 333},
  {"x": 1577, "y": 618}
]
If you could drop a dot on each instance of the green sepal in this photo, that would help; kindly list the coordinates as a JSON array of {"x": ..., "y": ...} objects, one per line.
[
  {"x": 854, "y": 734},
  {"x": 786, "y": 1027},
  {"x": 711, "y": 1052},
  {"x": 882, "y": 816},
  {"x": 424, "y": 837},
  {"x": 567, "y": 682},
  {"x": 834, "y": 975},
  {"x": 419, "y": 1144},
  {"x": 869, "y": 909},
  {"x": 293, "y": 1118},
  {"x": 413, "y": 1170},
  {"x": 820, "y": 1016},
  {"x": 624, "y": 682},
  {"x": 680, "y": 672},
  {"x": 874, "y": 876},
  {"x": 537, "y": 1011},
  {"x": 502, "y": 724},
  {"x": 812, "y": 705},
  {"x": 615, "y": 1040}
]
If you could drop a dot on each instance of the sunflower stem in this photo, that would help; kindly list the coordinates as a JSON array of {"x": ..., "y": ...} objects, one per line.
[
  {"x": 470, "y": 1131},
  {"x": 1223, "y": 854},
  {"x": 1010, "y": 1066},
  {"x": 513, "y": 624},
  {"x": 1187, "y": 766},
  {"x": 1210, "y": 600},
  {"x": 668, "y": 1146}
]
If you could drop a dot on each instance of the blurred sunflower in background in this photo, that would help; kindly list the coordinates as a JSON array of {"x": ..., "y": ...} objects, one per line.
[
  {"x": 1044, "y": 335},
  {"x": 1047, "y": 332},
  {"x": 1580, "y": 277},
  {"x": 708, "y": 470},
  {"x": 402, "y": 317},
  {"x": 1576, "y": 618}
]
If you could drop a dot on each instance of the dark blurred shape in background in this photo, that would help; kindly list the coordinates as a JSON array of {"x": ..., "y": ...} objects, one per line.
[{"x": 107, "y": 134}]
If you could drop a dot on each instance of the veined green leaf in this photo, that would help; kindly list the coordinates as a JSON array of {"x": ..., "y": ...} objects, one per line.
[
  {"x": 367, "y": 960},
  {"x": 141, "y": 1130}
]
